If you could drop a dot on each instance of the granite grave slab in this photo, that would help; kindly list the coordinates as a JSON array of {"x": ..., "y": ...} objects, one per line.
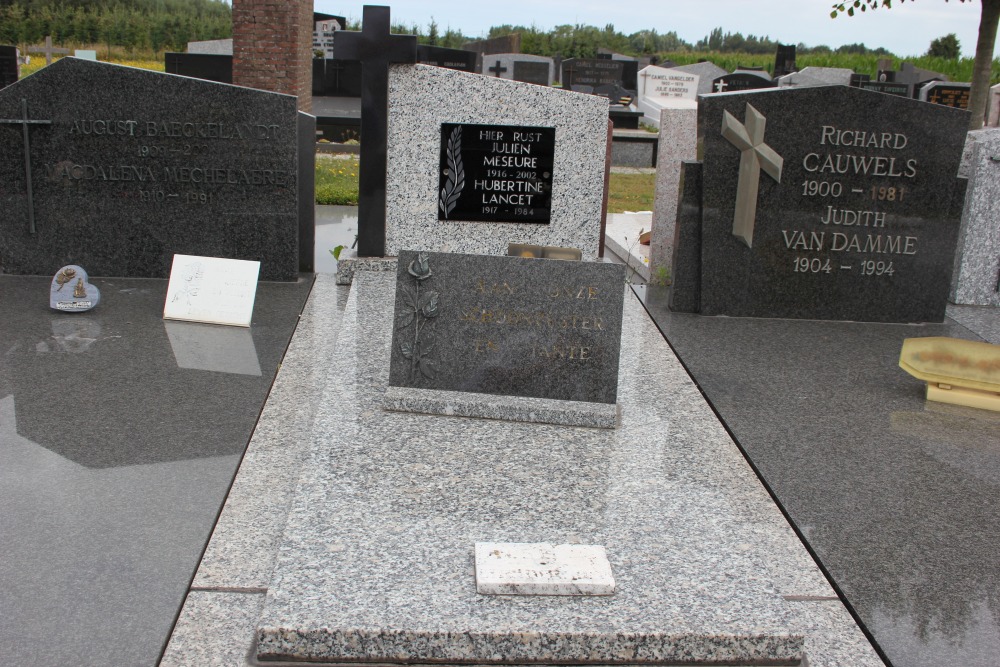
[
  {"x": 539, "y": 70},
  {"x": 118, "y": 169},
  {"x": 828, "y": 203},
  {"x": 593, "y": 72},
  {"x": 888, "y": 87},
  {"x": 509, "y": 326}
]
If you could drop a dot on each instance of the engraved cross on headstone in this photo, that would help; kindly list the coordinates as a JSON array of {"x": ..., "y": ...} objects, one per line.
[
  {"x": 720, "y": 86},
  {"x": 755, "y": 155},
  {"x": 375, "y": 47},
  {"x": 497, "y": 69},
  {"x": 24, "y": 123}
]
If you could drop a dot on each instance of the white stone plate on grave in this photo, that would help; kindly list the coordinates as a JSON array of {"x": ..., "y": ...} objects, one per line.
[
  {"x": 211, "y": 290},
  {"x": 511, "y": 568}
]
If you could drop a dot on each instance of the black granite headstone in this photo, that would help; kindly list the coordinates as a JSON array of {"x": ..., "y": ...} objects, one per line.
[
  {"x": 496, "y": 173},
  {"x": 9, "y": 67},
  {"x": 336, "y": 78},
  {"x": 439, "y": 56},
  {"x": 784, "y": 60},
  {"x": 900, "y": 89},
  {"x": 207, "y": 66},
  {"x": 828, "y": 203},
  {"x": 508, "y": 325},
  {"x": 737, "y": 81},
  {"x": 954, "y": 95},
  {"x": 531, "y": 72},
  {"x": 592, "y": 72},
  {"x": 117, "y": 169}
]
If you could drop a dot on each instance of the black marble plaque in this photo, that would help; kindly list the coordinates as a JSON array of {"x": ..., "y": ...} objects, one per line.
[
  {"x": 513, "y": 326},
  {"x": 124, "y": 167},
  {"x": 439, "y": 56},
  {"x": 496, "y": 173},
  {"x": 888, "y": 87},
  {"x": 531, "y": 72},
  {"x": 829, "y": 203},
  {"x": 9, "y": 68},
  {"x": 729, "y": 83},
  {"x": 948, "y": 94},
  {"x": 207, "y": 66}
]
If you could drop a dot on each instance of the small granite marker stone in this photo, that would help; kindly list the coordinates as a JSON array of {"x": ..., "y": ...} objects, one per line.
[
  {"x": 508, "y": 325},
  {"x": 71, "y": 291}
]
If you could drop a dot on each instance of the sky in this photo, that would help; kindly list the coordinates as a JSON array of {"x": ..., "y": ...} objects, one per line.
[{"x": 907, "y": 29}]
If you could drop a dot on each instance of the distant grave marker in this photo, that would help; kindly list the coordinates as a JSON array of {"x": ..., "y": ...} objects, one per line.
[{"x": 740, "y": 81}]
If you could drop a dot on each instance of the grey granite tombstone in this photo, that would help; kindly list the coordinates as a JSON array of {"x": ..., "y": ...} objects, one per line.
[
  {"x": 888, "y": 87},
  {"x": 439, "y": 56},
  {"x": 508, "y": 326},
  {"x": 593, "y": 72},
  {"x": 827, "y": 203},
  {"x": 118, "y": 169},
  {"x": 707, "y": 73},
  {"x": 976, "y": 279}
]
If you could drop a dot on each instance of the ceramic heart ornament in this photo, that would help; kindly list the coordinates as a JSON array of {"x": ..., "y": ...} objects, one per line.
[{"x": 70, "y": 292}]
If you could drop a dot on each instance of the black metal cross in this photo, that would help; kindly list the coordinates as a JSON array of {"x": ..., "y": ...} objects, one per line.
[
  {"x": 497, "y": 70},
  {"x": 24, "y": 123},
  {"x": 375, "y": 47}
]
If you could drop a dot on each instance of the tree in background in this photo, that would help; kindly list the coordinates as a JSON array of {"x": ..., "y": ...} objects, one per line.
[
  {"x": 989, "y": 18},
  {"x": 945, "y": 47}
]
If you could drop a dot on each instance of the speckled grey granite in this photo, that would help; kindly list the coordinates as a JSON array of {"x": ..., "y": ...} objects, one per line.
[
  {"x": 678, "y": 142},
  {"x": 377, "y": 558},
  {"x": 976, "y": 278},
  {"x": 510, "y": 408},
  {"x": 422, "y": 97},
  {"x": 214, "y": 629},
  {"x": 817, "y": 76},
  {"x": 984, "y": 321},
  {"x": 240, "y": 554},
  {"x": 349, "y": 264},
  {"x": 638, "y": 150}
]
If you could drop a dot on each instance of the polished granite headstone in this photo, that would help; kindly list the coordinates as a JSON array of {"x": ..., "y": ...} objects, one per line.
[
  {"x": 593, "y": 72},
  {"x": 888, "y": 87},
  {"x": 511, "y": 326},
  {"x": 10, "y": 69},
  {"x": 828, "y": 203},
  {"x": 127, "y": 167},
  {"x": 439, "y": 56}
]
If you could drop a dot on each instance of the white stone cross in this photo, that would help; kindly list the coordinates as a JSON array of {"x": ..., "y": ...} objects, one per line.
[
  {"x": 720, "y": 86},
  {"x": 754, "y": 156}
]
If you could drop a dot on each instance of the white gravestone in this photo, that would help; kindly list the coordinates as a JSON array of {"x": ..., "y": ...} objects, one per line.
[
  {"x": 661, "y": 88},
  {"x": 542, "y": 569}
]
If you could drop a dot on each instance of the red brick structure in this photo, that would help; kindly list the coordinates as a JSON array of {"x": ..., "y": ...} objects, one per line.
[{"x": 272, "y": 47}]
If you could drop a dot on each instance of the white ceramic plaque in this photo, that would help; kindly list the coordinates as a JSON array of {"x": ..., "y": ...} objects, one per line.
[
  {"x": 212, "y": 290},
  {"x": 511, "y": 568}
]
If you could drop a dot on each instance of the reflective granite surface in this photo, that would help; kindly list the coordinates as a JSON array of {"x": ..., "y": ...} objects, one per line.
[
  {"x": 120, "y": 434},
  {"x": 896, "y": 496}
]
